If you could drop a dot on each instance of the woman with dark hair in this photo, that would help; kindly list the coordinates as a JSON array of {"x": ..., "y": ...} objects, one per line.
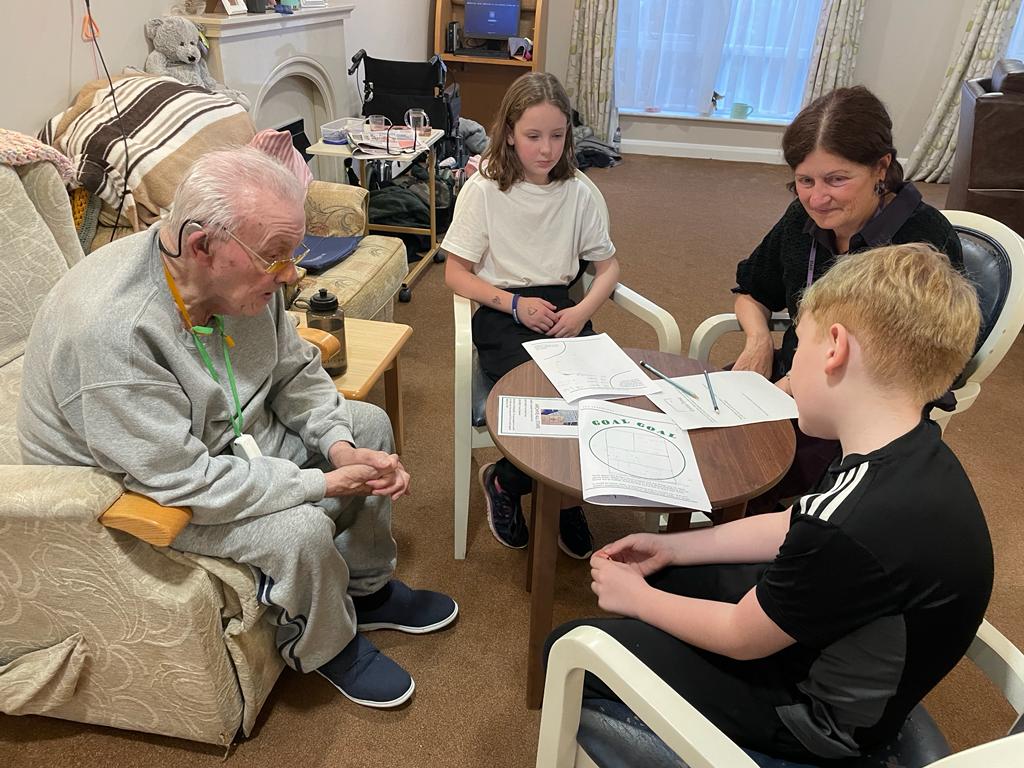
[{"x": 851, "y": 196}]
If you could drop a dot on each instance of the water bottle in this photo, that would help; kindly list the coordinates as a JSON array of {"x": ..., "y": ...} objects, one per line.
[{"x": 325, "y": 314}]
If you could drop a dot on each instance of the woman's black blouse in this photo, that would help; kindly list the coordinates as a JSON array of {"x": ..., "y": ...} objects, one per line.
[{"x": 775, "y": 274}]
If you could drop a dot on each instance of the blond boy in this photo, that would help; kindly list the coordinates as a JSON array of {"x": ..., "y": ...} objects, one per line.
[{"x": 812, "y": 633}]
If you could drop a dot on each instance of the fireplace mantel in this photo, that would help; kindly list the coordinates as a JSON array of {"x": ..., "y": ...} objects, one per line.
[{"x": 258, "y": 54}]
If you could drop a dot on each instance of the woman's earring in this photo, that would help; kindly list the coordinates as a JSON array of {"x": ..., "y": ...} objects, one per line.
[{"x": 879, "y": 187}]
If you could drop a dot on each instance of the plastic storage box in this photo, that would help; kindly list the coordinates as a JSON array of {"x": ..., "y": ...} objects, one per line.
[{"x": 336, "y": 131}]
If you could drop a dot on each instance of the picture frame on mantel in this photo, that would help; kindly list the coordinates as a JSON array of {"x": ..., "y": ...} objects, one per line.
[{"x": 230, "y": 7}]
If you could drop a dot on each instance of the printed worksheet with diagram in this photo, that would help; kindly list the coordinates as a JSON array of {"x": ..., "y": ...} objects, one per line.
[
  {"x": 632, "y": 457},
  {"x": 742, "y": 397},
  {"x": 589, "y": 366}
]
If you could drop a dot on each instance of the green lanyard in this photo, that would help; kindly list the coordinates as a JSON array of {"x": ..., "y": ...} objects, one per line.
[{"x": 197, "y": 331}]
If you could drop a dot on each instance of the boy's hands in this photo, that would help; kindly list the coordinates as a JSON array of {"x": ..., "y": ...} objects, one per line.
[
  {"x": 649, "y": 552},
  {"x": 618, "y": 571},
  {"x": 619, "y": 587},
  {"x": 569, "y": 322},
  {"x": 536, "y": 314},
  {"x": 362, "y": 472}
]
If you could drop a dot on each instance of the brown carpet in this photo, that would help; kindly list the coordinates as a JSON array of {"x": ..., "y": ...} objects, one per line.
[{"x": 680, "y": 226}]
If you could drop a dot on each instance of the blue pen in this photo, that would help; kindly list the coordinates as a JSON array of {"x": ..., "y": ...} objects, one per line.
[
  {"x": 658, "y": 373},
  {"x": 714, "y": 401}
]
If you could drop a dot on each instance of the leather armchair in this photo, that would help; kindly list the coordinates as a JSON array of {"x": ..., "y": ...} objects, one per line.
[{"x": 988, "y": 168}]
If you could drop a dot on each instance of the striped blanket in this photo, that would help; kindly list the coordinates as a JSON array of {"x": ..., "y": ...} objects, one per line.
[{"x": 168, "y": 125}]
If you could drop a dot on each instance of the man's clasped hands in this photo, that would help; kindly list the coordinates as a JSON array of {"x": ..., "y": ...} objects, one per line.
[{"x": 364, "y": 472}]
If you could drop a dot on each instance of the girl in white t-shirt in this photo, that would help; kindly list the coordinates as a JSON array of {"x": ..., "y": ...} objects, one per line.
[{"x": 521, "y": 228}]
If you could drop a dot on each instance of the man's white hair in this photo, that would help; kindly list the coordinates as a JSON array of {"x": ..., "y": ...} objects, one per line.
[{"x": 219, "y": 187}]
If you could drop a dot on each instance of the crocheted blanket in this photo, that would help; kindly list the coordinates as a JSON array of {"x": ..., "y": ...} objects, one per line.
[{"x": 19, "y": 149}]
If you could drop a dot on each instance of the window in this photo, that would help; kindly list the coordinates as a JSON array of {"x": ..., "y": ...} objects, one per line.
[
  {"x": 671, "y": 55},
  {"x": 1015, "y": 50}
]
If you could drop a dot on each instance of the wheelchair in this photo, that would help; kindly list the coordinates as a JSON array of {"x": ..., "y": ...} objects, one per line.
[{"x": 390, "y": 88}]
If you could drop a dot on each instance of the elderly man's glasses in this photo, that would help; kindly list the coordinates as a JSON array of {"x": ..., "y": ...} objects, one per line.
[{"x": 276, "y": 265}]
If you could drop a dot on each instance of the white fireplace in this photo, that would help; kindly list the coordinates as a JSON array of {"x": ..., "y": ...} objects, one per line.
[{"x": 291, "y": 67}]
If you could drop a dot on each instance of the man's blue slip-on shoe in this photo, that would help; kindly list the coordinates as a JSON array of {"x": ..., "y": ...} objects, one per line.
[
  {"x": 416, "y": 611},
  {"x": 368, "y": 677}
]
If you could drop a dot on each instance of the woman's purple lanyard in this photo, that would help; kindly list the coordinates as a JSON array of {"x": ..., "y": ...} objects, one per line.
[
  {"x": 814, "y": 249},
  {"x": 810, "y": 263}
]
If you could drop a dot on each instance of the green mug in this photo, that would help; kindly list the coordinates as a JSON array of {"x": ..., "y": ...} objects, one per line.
[{"x": 740, "y": 111}]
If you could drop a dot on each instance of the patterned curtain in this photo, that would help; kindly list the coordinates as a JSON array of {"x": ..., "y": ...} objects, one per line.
[
  {"x": 835, "y": 47},
  {"x": 983, "y": 43},
  {"x": 591, "y": 77}
]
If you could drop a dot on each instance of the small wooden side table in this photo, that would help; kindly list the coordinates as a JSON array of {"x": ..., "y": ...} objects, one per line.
[{"x": 373, "y": 347}]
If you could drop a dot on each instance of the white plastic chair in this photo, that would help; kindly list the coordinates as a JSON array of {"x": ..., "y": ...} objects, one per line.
[
  {"x": 471, "y": 386},
  {"x": 691, "y": 736},
  {"x": 993, "y": 259}
]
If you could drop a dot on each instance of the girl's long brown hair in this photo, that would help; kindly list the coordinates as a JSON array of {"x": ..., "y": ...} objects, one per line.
[{"x": 500, "y": 161}]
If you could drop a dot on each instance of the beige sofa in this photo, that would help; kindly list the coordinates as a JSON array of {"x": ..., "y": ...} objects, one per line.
[{"x": 99, "y": 626}]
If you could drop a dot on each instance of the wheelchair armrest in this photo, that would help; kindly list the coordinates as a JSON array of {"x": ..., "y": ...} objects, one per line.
[
  {"x": 144, "y": 519},
  {"x": 716, "y": 326}
]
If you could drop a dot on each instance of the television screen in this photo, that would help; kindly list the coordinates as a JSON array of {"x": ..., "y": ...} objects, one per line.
[{"x": 491, "y": 18}]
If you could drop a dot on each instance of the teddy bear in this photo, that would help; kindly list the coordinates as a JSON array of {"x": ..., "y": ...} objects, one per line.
[{"x": 178, "y": 52}]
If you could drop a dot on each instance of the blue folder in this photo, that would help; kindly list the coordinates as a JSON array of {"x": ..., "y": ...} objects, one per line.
[{"x": 325, "y": 252}]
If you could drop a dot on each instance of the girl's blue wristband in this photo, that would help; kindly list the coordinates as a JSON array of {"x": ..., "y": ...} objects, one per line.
[{"x": 515, "y": 303}]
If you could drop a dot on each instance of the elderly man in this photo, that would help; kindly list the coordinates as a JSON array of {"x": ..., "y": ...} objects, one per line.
[{"x": 167, "y": 357}]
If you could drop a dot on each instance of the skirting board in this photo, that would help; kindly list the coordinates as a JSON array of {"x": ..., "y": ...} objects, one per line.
[
  {"x": 709, "y": 151},
  {"x": 702, "y": 151}
]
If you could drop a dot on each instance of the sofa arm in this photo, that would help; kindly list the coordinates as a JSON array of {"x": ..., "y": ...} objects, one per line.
[
  {"x": 144, "y": 519},
  {"x": 86, "y": 495},
  {"x": 68, "y": 494},
  {"x": 338, "y": 210}
]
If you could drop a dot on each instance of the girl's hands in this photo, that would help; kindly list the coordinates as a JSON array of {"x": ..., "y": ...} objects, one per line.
[
  {"x": 569, "y": 322},
  {"x": 536, "y": 314}
]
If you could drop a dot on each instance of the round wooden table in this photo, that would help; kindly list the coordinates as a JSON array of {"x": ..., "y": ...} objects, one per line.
[{"x": 736, "y": 464}]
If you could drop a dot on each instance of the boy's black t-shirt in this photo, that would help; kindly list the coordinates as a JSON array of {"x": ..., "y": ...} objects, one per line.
[{"x": 883, "y": 580}]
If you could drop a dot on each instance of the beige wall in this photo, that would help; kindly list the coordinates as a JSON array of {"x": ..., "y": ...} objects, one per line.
[
  {"x": 44, "y": 69},
  {"x": 905, "y": 47},
  {"x": 556, "y": 38}
]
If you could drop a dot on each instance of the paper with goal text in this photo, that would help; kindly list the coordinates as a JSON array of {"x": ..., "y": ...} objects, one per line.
[{"x": 632, "y": 457}]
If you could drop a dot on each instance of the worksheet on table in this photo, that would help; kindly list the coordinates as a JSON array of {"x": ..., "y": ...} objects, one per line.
[
  {"x": 536, "y": 417},
  {"x": 589, "y": 366},
  {"x": 743, "y": 397},
  {"x": 633, "y": 457}
]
